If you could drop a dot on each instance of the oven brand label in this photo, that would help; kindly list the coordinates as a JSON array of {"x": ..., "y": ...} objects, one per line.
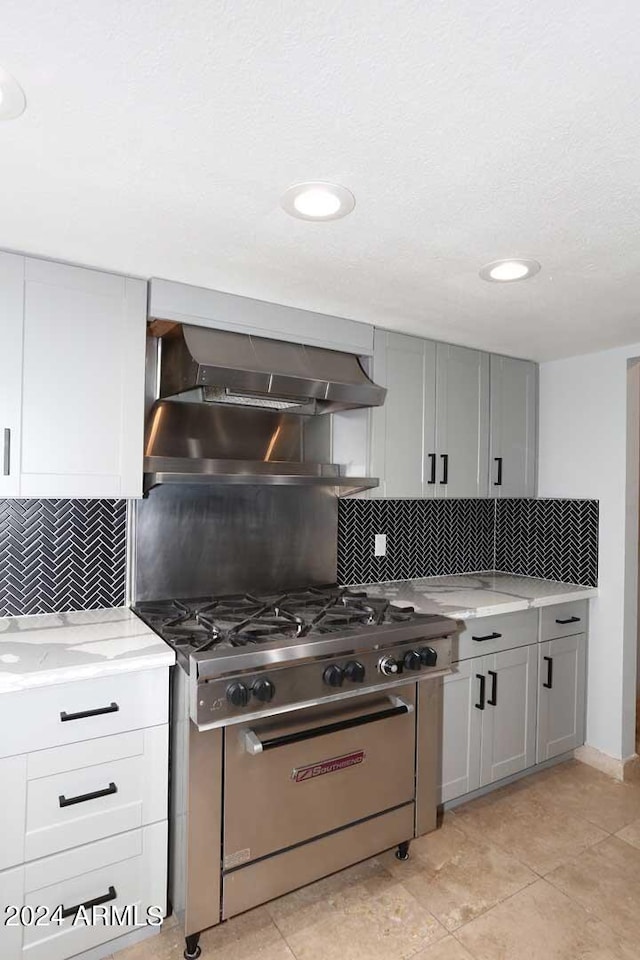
[{"x": 327, "y": 766}]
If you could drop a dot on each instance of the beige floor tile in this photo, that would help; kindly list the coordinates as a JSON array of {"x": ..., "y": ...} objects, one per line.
[
  {"x": 606, "y": 881},
  {"x": 582, "y": 791},
  {"x": 389, "y": 925},
  {"x": 529, "y": 827},
  {"x": 540, "y": 923},
  {"x": 631, "y": 833},
  {"x": 321, "y": 899},
  {"x": 447, "y": 949},
  {"x": 251, "y": 936},
  {"x": 456, "y": 877}
]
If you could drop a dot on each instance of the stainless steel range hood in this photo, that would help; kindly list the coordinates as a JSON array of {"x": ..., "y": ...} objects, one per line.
[
  {"x": 237, "y": 409},
  {"x": 231, "y": 365}
]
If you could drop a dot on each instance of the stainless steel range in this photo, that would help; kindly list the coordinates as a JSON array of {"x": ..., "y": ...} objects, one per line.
[{"x": 305, "y": 721}]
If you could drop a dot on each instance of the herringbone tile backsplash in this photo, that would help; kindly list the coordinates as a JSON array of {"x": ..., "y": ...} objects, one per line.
[
  {"x": 59, "y": 555},
  {"x": 551, "y": 539}
]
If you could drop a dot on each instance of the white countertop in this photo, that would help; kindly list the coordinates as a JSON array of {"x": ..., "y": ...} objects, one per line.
[
  {"x": 470, "y": 595},
  {"x": 53, "y": 648}
]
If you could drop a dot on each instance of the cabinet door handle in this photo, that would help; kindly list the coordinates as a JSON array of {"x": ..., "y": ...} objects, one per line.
[
  {"x": 481, "y": 677},
  {"x": 69, "y": 801},
  {"x": 88, "y": 904},
  {"x": 489, "y": 636},
  {"x": 112, "y": 708},
  {"x": 549, "y": 684},
  {"x": 432, "y": 474},
  {"x": 569, "y": 620},
  {"x": 445, "y": 467},
  {"x": 498, "y": 482},
  {"x": 493, "y": 699},
  {"x": 6, "y": 459}
]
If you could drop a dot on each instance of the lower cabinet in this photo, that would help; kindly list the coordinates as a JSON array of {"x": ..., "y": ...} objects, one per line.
[
  {"x": 489, "y": 720},
  {"x": 512, "y": 708},
  {"x": 561, "y": 688}
]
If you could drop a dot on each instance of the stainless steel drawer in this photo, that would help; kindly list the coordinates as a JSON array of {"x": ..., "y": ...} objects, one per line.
[
  {"x": 504, "y": 631},
  {"x": 563, "y": 619},
  {"x": 316, "y": 771}
]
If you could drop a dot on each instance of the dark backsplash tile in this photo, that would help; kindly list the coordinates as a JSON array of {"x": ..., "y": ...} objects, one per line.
[
  {"x": 424, "y": 538},
  {"x": 551, "y": 539},
  {"x": 59, "y": 555}
]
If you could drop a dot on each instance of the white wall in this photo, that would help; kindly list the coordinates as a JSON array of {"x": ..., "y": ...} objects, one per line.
[{"x": 583, "y": 453}]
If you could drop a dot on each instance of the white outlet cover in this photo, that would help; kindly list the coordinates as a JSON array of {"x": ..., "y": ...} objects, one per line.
[{"x": 380, "y": 545}]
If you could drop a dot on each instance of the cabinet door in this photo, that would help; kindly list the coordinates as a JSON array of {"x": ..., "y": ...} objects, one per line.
[
  {"x": 83, "y": 383},
  {"x": 509, "y": 716},
  {"x": 461, "y": 729},
  {"x": 403, "y": 429},
  {"x": 11, "y": 311},
  {"x": 462, "y": 421},
  {"x": 514, "y": 397},
  {"x": 561, "y": 691},
  {"x": 11, "y": 894}
]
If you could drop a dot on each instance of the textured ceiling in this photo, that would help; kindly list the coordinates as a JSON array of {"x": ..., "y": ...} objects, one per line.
[{"x": 159, "y": 136}]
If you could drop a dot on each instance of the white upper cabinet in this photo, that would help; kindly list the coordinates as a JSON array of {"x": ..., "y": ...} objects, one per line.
[
  {"x": 76, "y": 362},
  {"x": 11, "y": 313},
  {"x": 513, "y": 437},
  {"x": 213, "y": 308}
]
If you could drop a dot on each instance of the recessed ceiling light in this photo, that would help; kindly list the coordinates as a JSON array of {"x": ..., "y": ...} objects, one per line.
[
  {"x": 316, "y": 200},
  {"x": 506, "y": 271},
  {"x": 12, "y": 98}
]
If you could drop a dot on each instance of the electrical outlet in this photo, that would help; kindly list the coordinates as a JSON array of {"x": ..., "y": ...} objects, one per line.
[{"x": 380, "y": 545}]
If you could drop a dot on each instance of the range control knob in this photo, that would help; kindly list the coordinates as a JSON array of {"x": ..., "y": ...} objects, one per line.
[
  {"x": 429, "y": 656},
  {"x": 354, "y": 671},
  {"x": 238, "y": 694},
  {"x": 388, "y": 667},
  {"x": 412, "y": 660},
  {"x": 263, "y": 690},
  {"x": 333, "y": 675}
]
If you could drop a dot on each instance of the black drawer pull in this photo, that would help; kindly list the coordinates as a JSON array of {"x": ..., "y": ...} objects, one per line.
[
  {"x": 549, "y": 684},
  {"x": 112, "y": 708},
  {"x": 490, "y": 636},
  {"x": 432, "y": 475},
  {"x": 569, "y": 620},
  {"x": 69, "y": 801},
  {"x": 498, "y": 482},
  {"x": 88, "y": 904},
  {"x": 483, "y": 680},
  {"x": 493, "y": 699},
  {"x": 445, "y": 467}
]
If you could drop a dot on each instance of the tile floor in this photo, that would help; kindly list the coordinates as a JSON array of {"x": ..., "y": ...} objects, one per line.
[{"x": 545, "y": 869}]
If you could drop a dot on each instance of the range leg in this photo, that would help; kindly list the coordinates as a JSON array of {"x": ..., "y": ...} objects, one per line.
[
  {"x": 402, "y": 853},
  {"x": 192, "y": 949}
]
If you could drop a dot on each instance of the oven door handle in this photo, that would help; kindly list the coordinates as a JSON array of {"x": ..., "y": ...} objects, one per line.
[{"x": 254, "y": 745}]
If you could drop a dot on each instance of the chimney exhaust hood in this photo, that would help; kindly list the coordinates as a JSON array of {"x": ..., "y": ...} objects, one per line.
[{"x": 234, "y": 408}]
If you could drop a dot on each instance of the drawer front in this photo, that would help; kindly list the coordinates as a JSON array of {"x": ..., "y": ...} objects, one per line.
[
  {"x": 505, "y": 631},
  {"x": 129, "y": 869},
  {"x": 13, "y": 777},
  {"x": 563, "y": 619},
  {"x": 87, "y": 797},
  {"x": 51, "y": 716}
]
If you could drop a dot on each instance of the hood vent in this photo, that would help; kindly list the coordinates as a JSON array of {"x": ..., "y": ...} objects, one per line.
[
  {"x": 237, "y": 367},
  {"x": 240, "y": 409}
]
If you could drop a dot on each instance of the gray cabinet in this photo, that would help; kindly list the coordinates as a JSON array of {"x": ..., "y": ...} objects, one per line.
[
  {"x": 461, "y": 732},
  {"x": 561, "y": 691},
  {"x": 462, "y": 421},
  {"x": 513, "y": 432},
  {"x": 430, "y": 439},
  {"x": 509, "y": 717}
]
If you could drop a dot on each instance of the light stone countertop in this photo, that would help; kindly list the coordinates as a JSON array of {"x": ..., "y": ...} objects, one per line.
[
  {"x": 52, "y": 648},
  {"x": 471, "y": 595}
]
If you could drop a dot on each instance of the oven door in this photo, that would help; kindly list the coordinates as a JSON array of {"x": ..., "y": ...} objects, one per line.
[{"x": 304, "y": 774}]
